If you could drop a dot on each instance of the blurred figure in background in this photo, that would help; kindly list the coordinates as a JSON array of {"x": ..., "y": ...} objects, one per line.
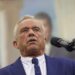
[{"x": 48, "y": 28}]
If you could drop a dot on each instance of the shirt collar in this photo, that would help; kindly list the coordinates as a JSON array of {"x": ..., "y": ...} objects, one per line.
[{"x": 28, "y": 60}]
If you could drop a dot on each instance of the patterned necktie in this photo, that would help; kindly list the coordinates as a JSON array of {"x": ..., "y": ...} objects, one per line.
[{"x": 36, "y": 66}]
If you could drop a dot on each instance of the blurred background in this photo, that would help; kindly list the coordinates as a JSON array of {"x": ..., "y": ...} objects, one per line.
[{"x": 62, "y": 13}]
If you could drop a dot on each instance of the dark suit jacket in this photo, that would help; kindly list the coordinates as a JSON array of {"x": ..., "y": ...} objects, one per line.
[{"x": 55, "y": 66}]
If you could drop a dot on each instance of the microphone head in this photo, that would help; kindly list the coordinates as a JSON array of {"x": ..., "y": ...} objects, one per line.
[
  {"x": 55, "y": 41},
  {"x": 58, "y": 42}
]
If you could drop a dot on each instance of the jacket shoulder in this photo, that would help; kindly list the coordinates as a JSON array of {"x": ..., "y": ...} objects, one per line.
[
  {"x": 5, "y": 70},
  {"x": 64, "y": 63},
  {"x": 8, "y": 69},
  {"x": 60, "y": 59}
]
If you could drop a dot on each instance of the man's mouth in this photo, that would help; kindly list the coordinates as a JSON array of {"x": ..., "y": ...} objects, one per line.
[{"x": 32, "y": 41}]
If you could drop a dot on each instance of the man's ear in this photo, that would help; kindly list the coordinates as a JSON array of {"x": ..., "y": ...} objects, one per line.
[
  {"x": 45, "y": 38},
  {"x": 15, "y": 44}
]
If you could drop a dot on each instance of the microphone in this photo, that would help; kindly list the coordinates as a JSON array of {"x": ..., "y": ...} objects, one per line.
[
  {"x": 59, "y": 42},
  {"x": 71, "y": 46}
]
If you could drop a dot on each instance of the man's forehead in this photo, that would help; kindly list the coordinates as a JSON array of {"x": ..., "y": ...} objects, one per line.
[{"x": 29, "y": 22}]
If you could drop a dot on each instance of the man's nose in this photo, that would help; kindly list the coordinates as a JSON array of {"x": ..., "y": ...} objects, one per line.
[{"x": 31, "y": 33}]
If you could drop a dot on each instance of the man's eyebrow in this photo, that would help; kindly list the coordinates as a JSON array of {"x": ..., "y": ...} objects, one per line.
[
  {"x": 23, "y": 29},
  {"x": 36, "y": 27}
]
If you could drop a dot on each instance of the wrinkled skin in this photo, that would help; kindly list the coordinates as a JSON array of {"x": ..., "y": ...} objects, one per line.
[{"x": 30, "y": 38}]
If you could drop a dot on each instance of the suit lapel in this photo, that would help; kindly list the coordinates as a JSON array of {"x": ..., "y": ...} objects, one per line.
[
  {"x": 51, "y": 66},
  {"x": 47, "y": 65},
  {"x": 17, "y": 68}
]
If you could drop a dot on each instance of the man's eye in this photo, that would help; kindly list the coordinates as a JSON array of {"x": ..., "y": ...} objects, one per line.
[
  {"x": 36, "y": 29},
  {"x": 24, "y": 30}
]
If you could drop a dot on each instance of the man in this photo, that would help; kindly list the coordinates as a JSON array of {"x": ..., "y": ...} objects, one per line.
[
  {"x": 48, "y": 28},
  {"x": 29, "y": 38}
]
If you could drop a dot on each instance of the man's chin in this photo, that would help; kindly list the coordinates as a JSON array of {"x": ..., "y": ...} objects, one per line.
[
  {"x": 33, "y": 52},
  {"x": 33, "y": 46}
]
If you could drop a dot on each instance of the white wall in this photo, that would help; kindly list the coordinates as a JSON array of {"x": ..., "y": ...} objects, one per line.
[
  {"x": 9, "y": 15},
  {"x": 65, "y": 11},
  {"x": 3, "y": 39}
]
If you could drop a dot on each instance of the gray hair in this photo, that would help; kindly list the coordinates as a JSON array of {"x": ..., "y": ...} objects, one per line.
[{"x": 18, "y": 23}]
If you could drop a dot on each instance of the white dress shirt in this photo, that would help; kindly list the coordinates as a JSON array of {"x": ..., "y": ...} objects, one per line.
[{"x": 29, "y": 67}]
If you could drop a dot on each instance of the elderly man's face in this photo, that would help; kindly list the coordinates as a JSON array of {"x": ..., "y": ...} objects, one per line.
[{"x": 30, "y": 38}]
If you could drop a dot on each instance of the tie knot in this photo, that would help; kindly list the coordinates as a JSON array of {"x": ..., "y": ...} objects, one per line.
[{"x": 35, "y": 61}]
